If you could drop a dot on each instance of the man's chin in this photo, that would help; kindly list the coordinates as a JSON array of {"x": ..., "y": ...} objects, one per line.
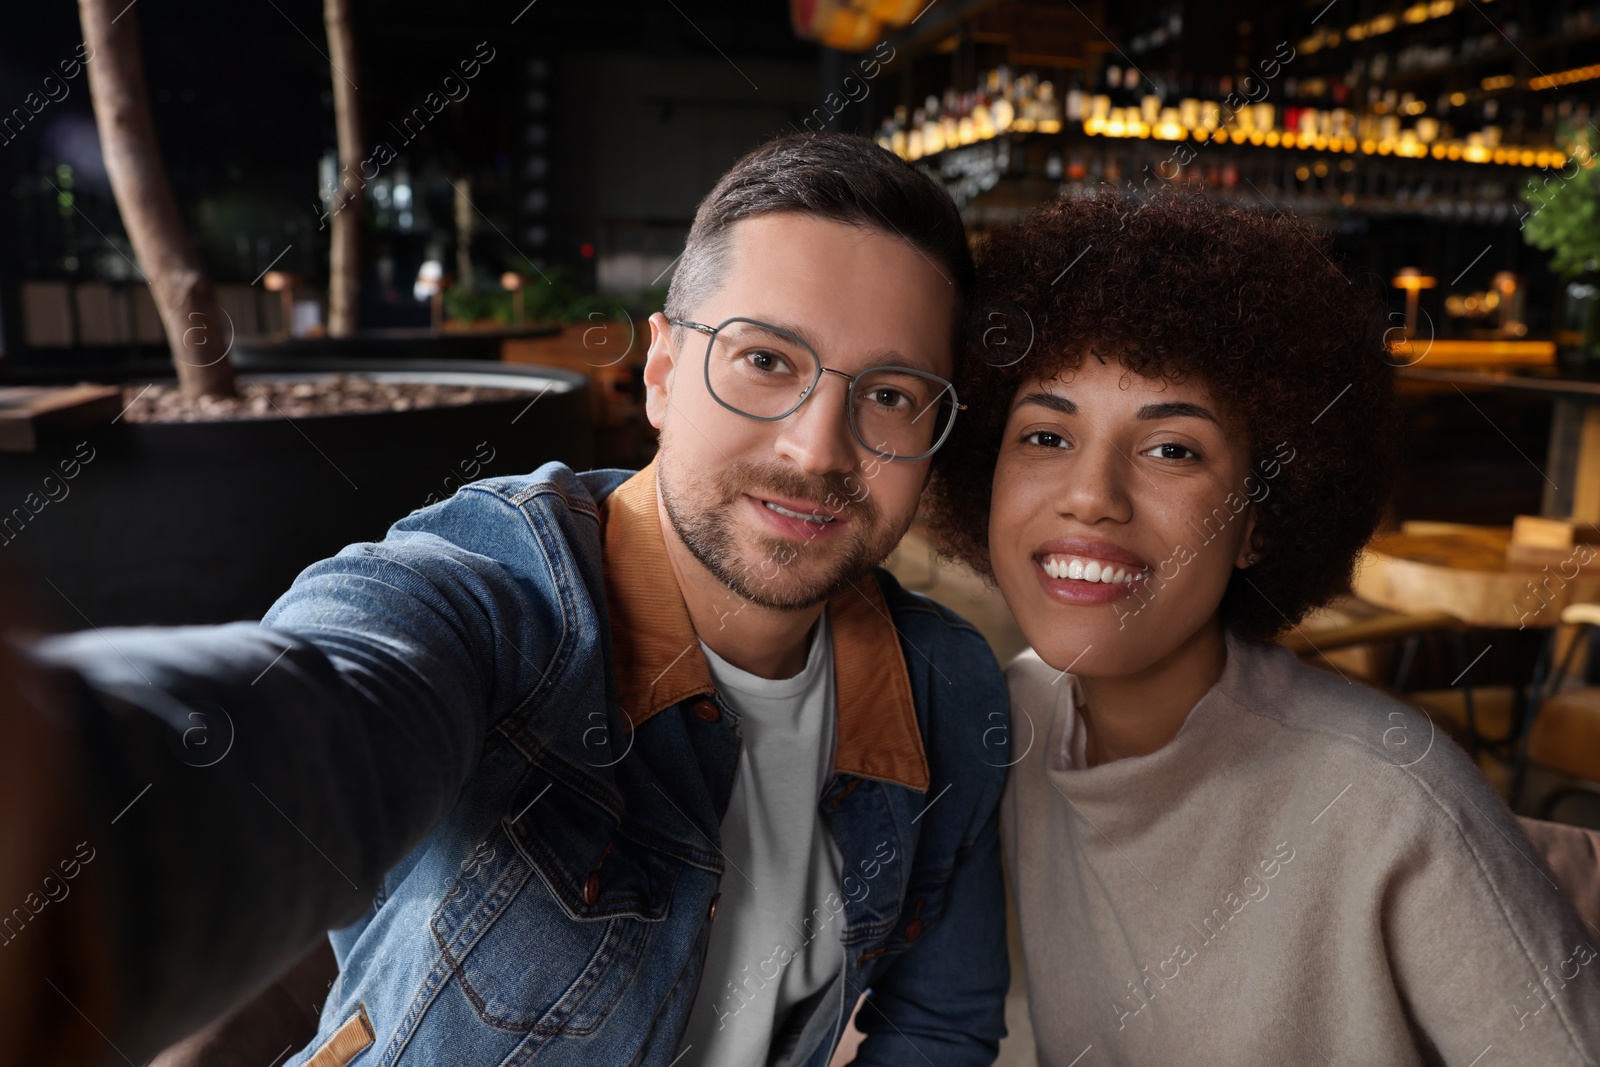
[{"x": 795, "y": 587}]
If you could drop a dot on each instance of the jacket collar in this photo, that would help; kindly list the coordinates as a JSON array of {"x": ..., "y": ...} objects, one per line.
[{"x": 659, "y": 661}]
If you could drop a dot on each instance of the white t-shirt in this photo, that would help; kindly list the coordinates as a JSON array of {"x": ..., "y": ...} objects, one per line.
[
  {"x": 775, "y": 941},
  {"x": 1051, "y": 700}
]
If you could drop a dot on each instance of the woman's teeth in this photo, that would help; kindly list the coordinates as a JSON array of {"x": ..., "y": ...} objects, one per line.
[
  {"x": 1090, "y": 570},
  {"x": 813, "y": 517}
]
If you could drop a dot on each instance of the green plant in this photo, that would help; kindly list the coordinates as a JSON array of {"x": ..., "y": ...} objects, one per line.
[
  {"x": 550, "y": 296},
  {"x": 1566, "y": 216}
]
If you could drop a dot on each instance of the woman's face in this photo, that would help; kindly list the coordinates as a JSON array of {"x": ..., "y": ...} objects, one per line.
[{"x": 1120, "y": 510}]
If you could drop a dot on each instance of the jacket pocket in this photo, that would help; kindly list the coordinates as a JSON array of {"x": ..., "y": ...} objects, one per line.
[{"x": 546, "y": 925}]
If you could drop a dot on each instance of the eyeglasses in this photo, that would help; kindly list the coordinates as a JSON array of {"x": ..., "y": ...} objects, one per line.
[{"x": 765, "y": 373}]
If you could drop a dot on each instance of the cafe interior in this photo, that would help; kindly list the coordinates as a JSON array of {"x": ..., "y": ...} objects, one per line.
[{"x": 1446, "y": 146}]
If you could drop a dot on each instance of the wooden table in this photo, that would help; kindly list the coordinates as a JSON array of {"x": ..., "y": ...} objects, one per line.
[
  {"x": 1463, "y": 571},
  {"x": 28, "y": 410}
]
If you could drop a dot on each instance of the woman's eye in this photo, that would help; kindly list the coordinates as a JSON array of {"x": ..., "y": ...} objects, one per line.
[
  {"x": 1172, "y": 451},
  {"x": 1044, "y": 439}
]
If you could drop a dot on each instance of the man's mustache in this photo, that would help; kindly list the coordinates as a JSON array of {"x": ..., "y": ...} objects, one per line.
[{"x": 841, "y": 493}]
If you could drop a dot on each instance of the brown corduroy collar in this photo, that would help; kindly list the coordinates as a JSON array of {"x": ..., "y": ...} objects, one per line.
[{"x": 659, "y": 661}]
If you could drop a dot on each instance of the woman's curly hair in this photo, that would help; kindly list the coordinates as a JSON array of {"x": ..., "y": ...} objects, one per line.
[{"x": 1180, "y": 286}]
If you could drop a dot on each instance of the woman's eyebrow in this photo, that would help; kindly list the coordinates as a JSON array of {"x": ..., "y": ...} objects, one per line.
[
  {"x": 1176, "y": 409},
  {"x": 1053, "y": 401}
]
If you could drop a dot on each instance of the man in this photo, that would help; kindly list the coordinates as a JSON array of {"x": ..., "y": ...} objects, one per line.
[{"x": 607, "y": 768}]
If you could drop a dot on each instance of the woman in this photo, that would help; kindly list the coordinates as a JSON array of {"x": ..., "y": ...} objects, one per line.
[{"x": 1181, "y": 433}]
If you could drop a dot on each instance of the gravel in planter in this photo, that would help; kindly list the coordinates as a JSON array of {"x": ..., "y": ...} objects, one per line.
[{"x": 337, "y": 394}]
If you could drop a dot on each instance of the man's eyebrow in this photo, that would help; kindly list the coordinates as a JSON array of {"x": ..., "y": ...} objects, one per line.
[
  {"x": 1174, "y": 409},
  {"x": 1053, "y": 401},
  {"x": 882, "y": 359}
]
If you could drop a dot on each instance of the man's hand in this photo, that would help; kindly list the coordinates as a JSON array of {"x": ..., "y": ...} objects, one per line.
[{"x": 55, "y": 971}]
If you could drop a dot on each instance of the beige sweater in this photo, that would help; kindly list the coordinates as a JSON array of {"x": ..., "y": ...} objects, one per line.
[{"x": 1306, "y": 874}]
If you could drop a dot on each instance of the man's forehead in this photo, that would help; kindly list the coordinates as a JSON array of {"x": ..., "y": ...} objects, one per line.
[{"x": 809, "y": 276}]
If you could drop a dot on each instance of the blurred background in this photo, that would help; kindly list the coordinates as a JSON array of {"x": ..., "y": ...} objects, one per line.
[{"x": 511, "y": 183}]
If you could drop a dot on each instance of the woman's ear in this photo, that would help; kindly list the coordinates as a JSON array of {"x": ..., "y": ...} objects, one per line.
[
  {"x": 1248, "y": 556},
  {"x": 659, "y": 364}
]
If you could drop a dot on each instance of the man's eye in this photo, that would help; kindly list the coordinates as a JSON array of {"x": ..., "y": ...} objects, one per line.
[
  {"x": 1172, "y": 451},
  {"x": 1045, "y": 439},
  {"x": 761, "y": 359},
  {"x": 890, "y": 399}
]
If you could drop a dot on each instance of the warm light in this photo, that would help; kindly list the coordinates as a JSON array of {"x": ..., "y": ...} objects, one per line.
[
  {"x": 1271, "y": 138},
  {"x": 276, "y": 281},
  {"x": 1412, "y": 279},
  {"x": 1438, "y": 151},
  {"x": 1565, "y": 77},
  {"x": 511, "y": 280},
  {"x": 1457, "y": 99}
]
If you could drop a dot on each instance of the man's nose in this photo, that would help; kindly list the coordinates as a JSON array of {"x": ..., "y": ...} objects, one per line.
[{"x": 817, "y": 437}]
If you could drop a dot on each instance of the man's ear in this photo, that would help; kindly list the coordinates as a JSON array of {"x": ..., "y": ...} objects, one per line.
[{"x": 659, "y": 365}]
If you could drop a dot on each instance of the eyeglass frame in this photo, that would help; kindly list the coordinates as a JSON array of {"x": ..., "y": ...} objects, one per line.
[{"x": 711, "y": 334}]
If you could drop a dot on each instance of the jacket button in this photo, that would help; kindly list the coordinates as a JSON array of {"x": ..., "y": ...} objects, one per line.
[
  {"x": 716, "y": 902},
  {"x": 706, "y": 711},
  {"x": 913, "y": 929},
  {"x": 591, "y": 888}
]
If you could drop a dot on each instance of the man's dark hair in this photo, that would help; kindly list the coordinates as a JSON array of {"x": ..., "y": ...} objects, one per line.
[
  {"x": 837, "y": 177},
  {"x": 1250, "y": 304}
]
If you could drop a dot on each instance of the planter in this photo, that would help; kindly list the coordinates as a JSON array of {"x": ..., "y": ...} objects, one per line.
[
  {"x": 481, "y": 343},
  {"x": 210, "y": 521}
]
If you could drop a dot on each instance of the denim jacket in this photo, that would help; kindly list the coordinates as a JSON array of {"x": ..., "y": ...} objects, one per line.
[{"x": 488, "y": 750}]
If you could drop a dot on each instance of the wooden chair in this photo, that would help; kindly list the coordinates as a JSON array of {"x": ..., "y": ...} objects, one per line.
[{"x": 1565, "y": 735}]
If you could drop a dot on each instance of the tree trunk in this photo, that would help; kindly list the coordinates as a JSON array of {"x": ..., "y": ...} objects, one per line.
[
  {"x": 349, "y": 196},
  {"x": 198, "y": 333}
]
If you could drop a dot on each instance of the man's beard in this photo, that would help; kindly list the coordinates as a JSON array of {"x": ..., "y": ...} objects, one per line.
[{"x": 708, "y": 531}]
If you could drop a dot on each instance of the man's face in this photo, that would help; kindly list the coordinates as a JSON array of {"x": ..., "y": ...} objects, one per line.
[{"x": 787, "y": 513}]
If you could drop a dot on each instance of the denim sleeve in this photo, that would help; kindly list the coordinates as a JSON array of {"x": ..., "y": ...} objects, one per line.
[
  {"x": 253, "y": 782},
  {"x": 943, "y": 999}
]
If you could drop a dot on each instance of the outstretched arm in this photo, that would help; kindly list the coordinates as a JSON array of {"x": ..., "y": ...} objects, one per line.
[{"x": 247, "y": 786}]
